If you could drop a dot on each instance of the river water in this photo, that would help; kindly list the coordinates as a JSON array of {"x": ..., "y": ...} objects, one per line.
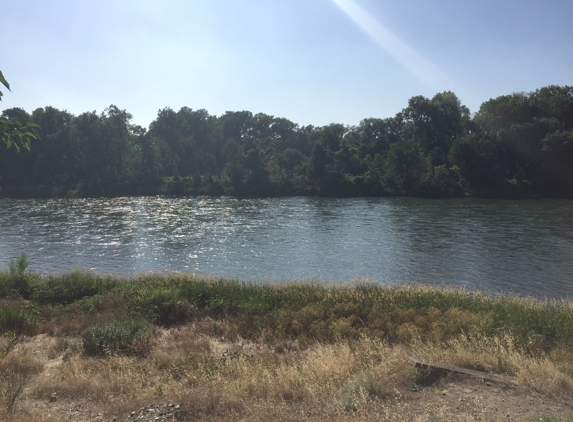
[{"x": 522, "y": 247}]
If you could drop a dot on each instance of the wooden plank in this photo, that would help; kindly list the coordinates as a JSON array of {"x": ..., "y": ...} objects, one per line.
[{"x": 429, "y": 365}]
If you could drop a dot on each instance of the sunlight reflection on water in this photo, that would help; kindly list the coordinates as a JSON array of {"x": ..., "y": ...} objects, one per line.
[{"x": 514, "y": 246}]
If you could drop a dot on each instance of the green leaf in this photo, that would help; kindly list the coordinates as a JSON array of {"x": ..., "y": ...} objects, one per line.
[{"x": 4, "y": 81}]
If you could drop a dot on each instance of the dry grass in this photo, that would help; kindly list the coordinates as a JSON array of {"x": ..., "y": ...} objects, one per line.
[
  {"x": 237, "y": 351},
  {"x": 214, "y": 378},
  {"x": 15, "y": 372}
]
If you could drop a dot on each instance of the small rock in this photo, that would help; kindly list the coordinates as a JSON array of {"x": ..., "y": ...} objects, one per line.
[{"x": 444, "y": 392}]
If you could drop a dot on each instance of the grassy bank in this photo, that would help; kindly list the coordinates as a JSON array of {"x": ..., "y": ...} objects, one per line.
[{"x": 224, "y": 349}]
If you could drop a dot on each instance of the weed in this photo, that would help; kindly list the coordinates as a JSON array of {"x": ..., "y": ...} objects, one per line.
[
  {"x": 359, "y": 392},
  {"x": 10, "y": 342},
  {"x": 159, "y": 391},
  {"x": 15, "y": 372}
]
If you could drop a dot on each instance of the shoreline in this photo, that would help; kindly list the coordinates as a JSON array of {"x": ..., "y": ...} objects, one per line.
[{"x": 61, "y": 192}]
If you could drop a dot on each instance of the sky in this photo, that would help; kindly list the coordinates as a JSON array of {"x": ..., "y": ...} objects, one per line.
[{"x": 314, "y": 62}]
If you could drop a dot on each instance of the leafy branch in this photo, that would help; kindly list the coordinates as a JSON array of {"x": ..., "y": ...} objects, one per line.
[{"x": 14, "y": 133}]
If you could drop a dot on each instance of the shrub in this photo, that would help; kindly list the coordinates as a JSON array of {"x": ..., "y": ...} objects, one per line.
[
  {"x": 158, "y": 303},
  {"x": 68, "y": 288},
  {"x": 16, "y": 282},
  {"x": 127, "y": 337},
  {"x": 18, "y": 318},
  {"x": 359, "y": 392},
  {"x": 19, "y": 283}
]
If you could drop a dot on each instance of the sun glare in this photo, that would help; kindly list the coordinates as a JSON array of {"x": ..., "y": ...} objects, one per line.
[{"x": 415, "y": 63}]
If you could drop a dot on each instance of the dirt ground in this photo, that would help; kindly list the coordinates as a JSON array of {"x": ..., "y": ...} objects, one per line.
[{"x": 464, "y": 398}]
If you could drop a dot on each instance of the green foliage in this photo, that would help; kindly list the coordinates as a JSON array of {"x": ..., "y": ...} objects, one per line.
[
  {"x": 14, "y": 133},
  {"x": 328, "y": 313},
  {"x": 67, "y": 288},
  {"x": 357, "y": 393},
  {"x": 19, "y": 279},
  {"x": 125, "y": 337},
  {"x": 4, "y": 82},
  {"x": 17, "y": 317},
  {"x": 18, "y": 267},
  {"x": 306, "y": 312},
  {"x": 157, "y": 303},
  {"x": 517, "y": 145},
  {"x": 18, "y": 135}
]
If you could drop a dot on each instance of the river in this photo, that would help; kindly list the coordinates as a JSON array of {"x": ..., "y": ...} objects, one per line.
[{"x": 521, "y": 247}]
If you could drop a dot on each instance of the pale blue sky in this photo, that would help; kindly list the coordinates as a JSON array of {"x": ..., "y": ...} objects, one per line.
[{"x": 311, "y": 61}]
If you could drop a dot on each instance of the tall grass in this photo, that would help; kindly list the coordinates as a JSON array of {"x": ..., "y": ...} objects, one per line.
[
  {"x": 279, "y": 312},
  {"x": 67, "y": 288},
  {"x": 15, "y": 373}
]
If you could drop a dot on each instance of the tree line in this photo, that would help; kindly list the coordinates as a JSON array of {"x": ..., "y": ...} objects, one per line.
[{"x": 517, "y": 145}]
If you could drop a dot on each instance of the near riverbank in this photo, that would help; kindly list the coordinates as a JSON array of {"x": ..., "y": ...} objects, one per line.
[{"x": 80, "y": 346}]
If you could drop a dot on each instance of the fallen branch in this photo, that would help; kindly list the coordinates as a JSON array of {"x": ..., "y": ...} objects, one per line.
[{"x": 429, "y": 365}]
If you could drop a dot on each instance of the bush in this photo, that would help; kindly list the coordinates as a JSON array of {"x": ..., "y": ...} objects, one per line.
[
  {"x": 17, "y": 318},
  {"x": 160, "y": 304},
  {"x": 19, "y": 283},
  {"x": 68, "y": 288},
  {"x": 128, "y": 337}
]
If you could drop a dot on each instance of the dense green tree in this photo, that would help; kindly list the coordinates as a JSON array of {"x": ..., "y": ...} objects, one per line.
[
  {"x": 57, "y": 157},
  {"x": 516, "y": 145}
]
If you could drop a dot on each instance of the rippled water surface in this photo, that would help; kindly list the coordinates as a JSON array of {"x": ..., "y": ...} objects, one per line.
[{"x": 514, "y": 246}]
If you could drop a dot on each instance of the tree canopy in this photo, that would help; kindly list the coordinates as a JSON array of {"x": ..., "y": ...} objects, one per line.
[{"x": 516, "y": 145}]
